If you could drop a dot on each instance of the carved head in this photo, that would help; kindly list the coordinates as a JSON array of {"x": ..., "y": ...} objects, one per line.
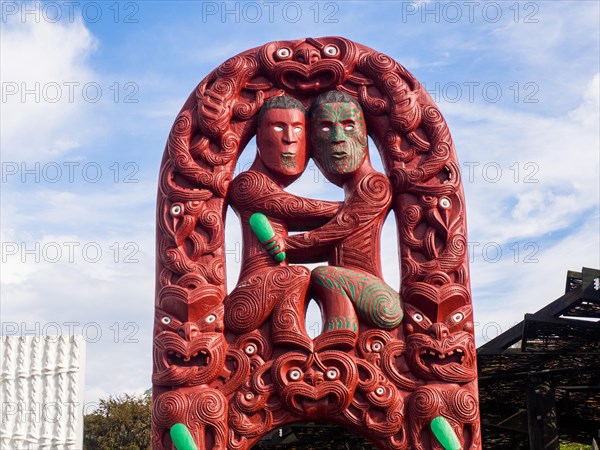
[
  {"x": 440, "y": 344},
  {"x": 189, "y": 347},
  {"x": 281, "y": 136},
  {"x": 338, "y": 134},
  {"x": 308, "y": 66},
  {"x": 315, "y": 385}
]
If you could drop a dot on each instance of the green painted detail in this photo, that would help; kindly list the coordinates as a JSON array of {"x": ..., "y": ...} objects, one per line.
[
  {"x": 342, "y": 323},
  {"x": 374, "y": 300},
  {"x": 264, "y": 231},
  {"x": 288, "y": 161},
  {"x": 261, "y": 227},
  {"x": 181, "y": 437},
  {"x": 444, "y": 433}
]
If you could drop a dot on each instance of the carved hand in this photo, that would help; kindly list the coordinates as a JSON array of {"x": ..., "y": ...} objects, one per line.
[{"x": 275, "y": 246}]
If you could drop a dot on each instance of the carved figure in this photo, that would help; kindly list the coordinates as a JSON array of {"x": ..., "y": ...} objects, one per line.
[
  {"x": 229, "y": 369},
  {"x": 351, "y": 239},
  {"x": 281, "y": 158}
]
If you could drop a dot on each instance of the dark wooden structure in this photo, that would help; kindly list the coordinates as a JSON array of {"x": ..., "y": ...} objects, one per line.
[{"x": 540, "y": 380}]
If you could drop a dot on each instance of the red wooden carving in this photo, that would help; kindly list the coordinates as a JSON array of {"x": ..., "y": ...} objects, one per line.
[{"x": 232, "y": 367}]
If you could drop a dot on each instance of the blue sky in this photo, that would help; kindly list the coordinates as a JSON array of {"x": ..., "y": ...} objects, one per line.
[{"x": 517, "y": 82}]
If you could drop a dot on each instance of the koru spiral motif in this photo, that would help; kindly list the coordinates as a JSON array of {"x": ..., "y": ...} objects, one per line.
[{"x": 231, "y": 367}]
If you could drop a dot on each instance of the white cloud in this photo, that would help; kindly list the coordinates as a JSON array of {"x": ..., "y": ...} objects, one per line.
[
  {"x": 43, "y": 112},
  {"x": 527, "y": 174}
]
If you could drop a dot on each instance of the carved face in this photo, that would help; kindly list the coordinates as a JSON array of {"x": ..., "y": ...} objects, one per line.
[
  {"x": 316, "y": 385},
  {"x": 441, "y": 350},
  {"x": 308, "y": 65},
  {"x": 188, "y": 347},
  {"x": 339, "y": 138},
  {"x": 281, "y": 140}
]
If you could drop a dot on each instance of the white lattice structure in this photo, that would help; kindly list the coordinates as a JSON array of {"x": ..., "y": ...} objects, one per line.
[{"x": 42, "y": 381}]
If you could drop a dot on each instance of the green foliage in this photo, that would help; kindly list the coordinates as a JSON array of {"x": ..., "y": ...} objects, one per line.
[
  {"x": 122, "y": 422},
  {"x": 573, "y": 446}
]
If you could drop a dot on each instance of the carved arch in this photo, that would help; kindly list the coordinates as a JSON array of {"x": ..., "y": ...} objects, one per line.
[{"x": 244, "y": 392}]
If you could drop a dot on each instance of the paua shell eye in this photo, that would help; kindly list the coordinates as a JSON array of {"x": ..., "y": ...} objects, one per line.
[
  {"x": 250, "y": 349},
  {"x": 331, "y": 50},
  {"x": 377, "y": 346},
  {"x": 166, "y": 320},
  {"x": 177, "y": 210},
  {"x": 295, "y": 374},
  {"x": 418, "y": 317},
  {"x": 458, "y": 317},
  {"x": 445, "y": 202},
  {"x": 332, "y": 374},
  {"x": 283, "y": 53},
  {"x": 380, "y": 390},
  {"x": 211, "y": 318}
]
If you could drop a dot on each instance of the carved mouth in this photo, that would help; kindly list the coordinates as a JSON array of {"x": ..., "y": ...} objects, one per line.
[
  {"x": 199, "y": 358},
  {"x": 288, "y": 154},
  {"x": 305, "y": 84},
  {"x": 429, "y": 357},
  {"x": 339, "y": 155},
  {"x": 317, "y": 408}
]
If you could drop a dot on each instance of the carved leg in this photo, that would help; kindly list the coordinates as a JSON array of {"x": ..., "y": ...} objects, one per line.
[
  {"x": 253, "y": 299},
  {"x": 341, "y": 290},
  {"x": 287, "y": 324}
]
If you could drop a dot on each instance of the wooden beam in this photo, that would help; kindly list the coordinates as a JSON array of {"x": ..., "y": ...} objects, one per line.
[{"x": 541, "y": 414}]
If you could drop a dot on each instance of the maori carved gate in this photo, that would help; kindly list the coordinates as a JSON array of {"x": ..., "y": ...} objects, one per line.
[{"x": 233, "y": 367}]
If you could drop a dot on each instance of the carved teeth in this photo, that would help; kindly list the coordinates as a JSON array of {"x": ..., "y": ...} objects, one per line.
[{"x": 451, "y": 352}]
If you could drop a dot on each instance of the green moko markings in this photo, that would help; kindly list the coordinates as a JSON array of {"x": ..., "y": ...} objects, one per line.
[
  {"x": 264, "y": 231},
  {"x": 181, "y": 437},
  {"x": 444, "y": 433}
]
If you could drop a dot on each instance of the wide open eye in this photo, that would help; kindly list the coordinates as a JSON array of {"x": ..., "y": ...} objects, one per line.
[
  {"x": 325, "y": 128},
  {"x": 458, "y": 317},
  {"x": 380, "y": 390},
  {"x": 377, "y": 346},
  {"x": 297, "y": 129},
  {"x": 349, "y": 127},
  {"x": 211, "y": 318},
  {"x": 332, "y": 374},
  {"x": 331, "y": 50},
  {"x": 250, "y": 349},
  {"x": 283, "y": 53},
  {"x": 295, "y": 374},
  {"x": 445, "y": 202},
  {"x": 278, "y": 128},
  {"x": 177, "y": 209},
  {"x": 418, "y": 317},
  {"x": 166, "y": 320}
]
